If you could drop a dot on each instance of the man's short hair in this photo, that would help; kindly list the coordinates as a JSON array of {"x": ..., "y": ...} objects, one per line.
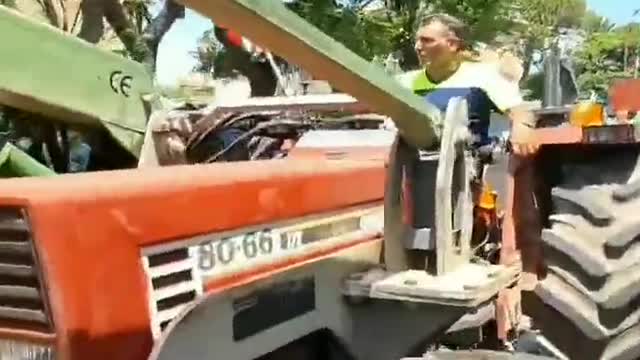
[{"x": 457, "y": 26}]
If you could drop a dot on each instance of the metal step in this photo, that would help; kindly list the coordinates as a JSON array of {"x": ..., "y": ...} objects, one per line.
[{"x": 468, "y": 286}]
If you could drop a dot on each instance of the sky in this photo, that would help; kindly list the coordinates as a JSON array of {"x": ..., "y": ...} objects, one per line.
[{"x": 175, "y": 60}]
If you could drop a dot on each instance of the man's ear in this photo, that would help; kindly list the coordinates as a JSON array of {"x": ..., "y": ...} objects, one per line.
[{"x": 456, "y": 44}]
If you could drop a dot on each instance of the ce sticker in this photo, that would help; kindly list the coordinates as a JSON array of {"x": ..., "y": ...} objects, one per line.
[{"x": 120, "y": 83}]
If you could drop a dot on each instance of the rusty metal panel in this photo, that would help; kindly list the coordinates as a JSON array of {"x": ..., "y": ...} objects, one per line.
[{"x": 624, "y": 95}]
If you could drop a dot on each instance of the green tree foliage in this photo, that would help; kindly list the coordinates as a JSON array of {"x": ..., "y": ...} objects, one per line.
[
  {"x": 606, "y": 56},
  {"x": 529, "y": 26},
  {"x": 208, "y": 54},
  {"x": 403, "y": 15},
  {"x": 486, "y": 18},
  {"x": 594, "y": 23},
  {"x": 391, "y": 28},
  {"x": 367, "y": 34},
  {"x": 630, "y": 37},
  {"x": 139, "y": 13},
  {"x": 539, "y": 23},
  {"x": 542, "y": 18},
  {"x": 8, "y": 3}
]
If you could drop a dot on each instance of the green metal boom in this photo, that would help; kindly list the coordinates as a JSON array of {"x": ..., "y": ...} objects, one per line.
[
  {"x": 275, "y": 27},
  {"x": 16, "y": 163},
  {"x": 48, "y": 72}
]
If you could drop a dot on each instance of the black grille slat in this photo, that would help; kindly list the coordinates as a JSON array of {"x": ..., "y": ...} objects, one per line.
[
  {"x": 164, "y": 324},
  {"x": 28, "y": 315},
  {"x": 13, "y": 229},
  {"x": 13, "y": 225},
  {"x": 168, "y": 257},
  {"x": 176, "y": 300},
  {"x": 21, "y": 299},
  {"x": 172, "y": 282},
  {"x": 171, "y": 279},
  {"x": 14, "y": 247},
  {"x": 17, "y": 270},
  {"x": 12, "y": 219},
  {"x": 21, "y": 292},
  {"x": 12, "y": 258},
  {"x": 24, "y": 281}
]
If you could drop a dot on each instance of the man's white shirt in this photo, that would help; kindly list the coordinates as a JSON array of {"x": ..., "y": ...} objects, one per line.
[{"x": 503, "y": 93}]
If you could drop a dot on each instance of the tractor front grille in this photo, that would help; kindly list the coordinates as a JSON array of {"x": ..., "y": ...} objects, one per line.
[
  {"x": 24, "y": 350},
  {"x": 21, "y": 299},
  {"x": 173, "y": 284}
]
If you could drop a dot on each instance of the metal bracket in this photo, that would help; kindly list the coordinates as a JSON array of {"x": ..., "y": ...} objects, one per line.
[
  {"x": 440, "y": 198},
  {"x": 468, "y": 286}
]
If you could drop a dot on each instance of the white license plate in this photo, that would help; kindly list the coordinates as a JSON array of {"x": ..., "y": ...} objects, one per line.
[
  {"x": 229, "y": 254},
  {"x": 221, "y": 256}
]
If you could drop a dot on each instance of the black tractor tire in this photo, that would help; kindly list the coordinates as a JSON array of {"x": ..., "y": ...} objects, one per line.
[{"x": 588, "y": 305}]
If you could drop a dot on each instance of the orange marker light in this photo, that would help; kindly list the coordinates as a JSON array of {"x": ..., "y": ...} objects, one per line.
[
  {"x": 587, "y": 114},
  {"x": 488, "y": 198}
]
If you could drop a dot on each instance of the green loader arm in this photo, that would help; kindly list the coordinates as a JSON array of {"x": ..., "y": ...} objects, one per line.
[
  {"x": 16, "y": 163},
  {"x": 50, "y": 73}
]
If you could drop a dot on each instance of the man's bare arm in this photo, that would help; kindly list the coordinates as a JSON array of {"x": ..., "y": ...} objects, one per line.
[{"x": 522, "y": 131}]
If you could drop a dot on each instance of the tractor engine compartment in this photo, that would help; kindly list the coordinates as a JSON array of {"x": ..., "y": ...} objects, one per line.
[{"x": 237, "y": 135}]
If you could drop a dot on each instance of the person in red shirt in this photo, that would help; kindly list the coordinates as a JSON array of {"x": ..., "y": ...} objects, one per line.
[{"x": 244, "y": 56}]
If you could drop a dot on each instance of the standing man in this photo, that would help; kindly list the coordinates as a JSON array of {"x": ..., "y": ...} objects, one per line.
[{"x": 449, "y": 71}]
